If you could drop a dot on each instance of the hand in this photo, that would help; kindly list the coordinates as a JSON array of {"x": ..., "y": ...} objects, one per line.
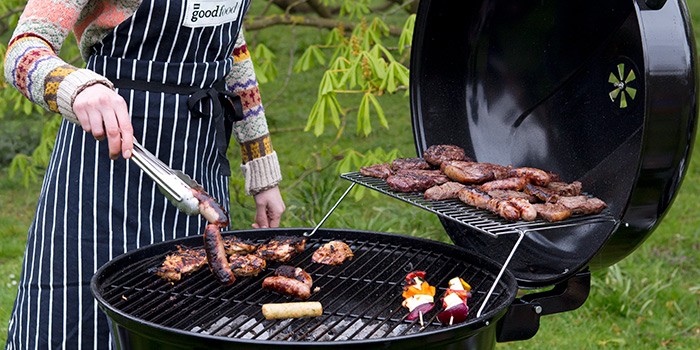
[
  {"x": 269, "y": 208},
  {"x": 103, "y": 113}
]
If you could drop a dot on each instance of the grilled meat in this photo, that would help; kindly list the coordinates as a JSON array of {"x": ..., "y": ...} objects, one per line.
[
  {"x": 287, "y": 286},
  {"x": 437, "y": 154},
  {"x": 246, "y": 265},
  {"x": 332, "y": 253},
  {"x": 182, "y": 262},
  {"x": 234, "y": 245},
  {"x": 542, "y": 193},
  {"x": 552, "y": 211},
  {"x": 511, "y": 183},
  {"x": 533, "y": 175},
  {"x": 291, "y": 281},
  {"x": 210, "y": 209},
  {"x": 504, "y": 208},
  {"x": 216, "y": 255},
  {"x": 474, "y": 173},
  {"x": 447, "y": 190},
  {"x": 527, "y": 211},
  {"x": 296, "y": 273},
  {"x": 409, "y": 163},
  {"x": 406, "y": 181},
  {"x": 565, "y": 189},
  {"x": 506, "y": 194},
  {"x": 583, "y": 204},
  {"x": 474, "y": 197},
  {"x": 281, "y": 248},
  {"x": 380, "y": 171}
]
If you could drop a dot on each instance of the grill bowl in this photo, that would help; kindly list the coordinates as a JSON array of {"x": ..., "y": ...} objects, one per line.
[{"x": 197, "y": 312}]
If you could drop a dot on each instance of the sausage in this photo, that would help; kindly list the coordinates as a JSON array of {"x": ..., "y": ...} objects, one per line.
[
  {"x": 210, "y": 208},
  {"x": 216, "y": 255},
  {"x": 287, "y": 286},
  {"x": 296, "y": 273},
  {"x": 292, "y": 310}
]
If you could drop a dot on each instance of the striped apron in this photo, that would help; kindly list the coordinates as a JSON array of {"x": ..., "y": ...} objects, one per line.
[{"x": 91, "y": 208}]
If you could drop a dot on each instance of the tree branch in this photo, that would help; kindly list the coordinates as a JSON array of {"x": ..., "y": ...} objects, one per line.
[{"x": 306, "y": 21}]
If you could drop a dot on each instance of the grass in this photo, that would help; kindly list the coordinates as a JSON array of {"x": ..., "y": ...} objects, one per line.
[{"x": 650, "y": 300}]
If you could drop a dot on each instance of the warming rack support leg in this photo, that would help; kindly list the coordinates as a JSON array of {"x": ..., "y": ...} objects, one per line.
[
  {"x": 521, "y": 234},
  {"x": 308, "y": 234}
]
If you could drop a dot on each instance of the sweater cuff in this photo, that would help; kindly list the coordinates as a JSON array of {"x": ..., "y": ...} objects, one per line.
[
  {"x": 72, "y": 85},
  {"x": 261, "y": 173}
]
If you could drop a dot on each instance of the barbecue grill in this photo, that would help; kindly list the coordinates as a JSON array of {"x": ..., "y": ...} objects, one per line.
[{"x": 602, "y": 92}]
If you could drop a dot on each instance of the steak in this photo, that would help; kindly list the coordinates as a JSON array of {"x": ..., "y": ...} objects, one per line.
[
  {"x": 447, "y": 190},
  {"x": 380, "y": 171},
  {"x": 583, "y": 204},
  {"x": 409, "y": 163},
  {"x": 474, "y": 173},
  {"x": 437, "y": 154},
  {"x": 552, "y": 211},
  {"x": 410, "y": 181}
]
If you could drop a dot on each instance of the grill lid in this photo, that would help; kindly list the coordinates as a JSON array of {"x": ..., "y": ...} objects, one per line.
[{"x": 603, "y": 92}]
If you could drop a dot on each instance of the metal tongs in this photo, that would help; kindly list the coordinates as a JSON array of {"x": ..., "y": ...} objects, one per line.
[{"x": 174, "y": 184}]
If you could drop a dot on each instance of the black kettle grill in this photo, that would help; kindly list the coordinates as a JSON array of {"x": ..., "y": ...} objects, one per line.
[{"x": 603, "y": 92}]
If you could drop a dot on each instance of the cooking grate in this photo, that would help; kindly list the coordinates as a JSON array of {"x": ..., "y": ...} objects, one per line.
[
  {"x": 477, "y": 219},
  {"x": 361, "y": 298}
]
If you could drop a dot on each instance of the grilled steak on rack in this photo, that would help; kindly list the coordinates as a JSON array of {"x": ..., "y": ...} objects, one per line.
[
  {"x": 511, "y": 183},
  {"x": 246, "y": 265},
  {"x": 415, "y": 180},
  {"x": 506, "y": 194},
  {"x": 281, "y": 248},
  {"x": 332, "y": 253},
  {"x": 472, "y": 172},
  {"x": 448, "y": 190},
  {"x": 380, "y": 171},
  {"x": 182, "y": 262},
  {"x": 582, "y": 204},
  {"x": 409, "y": 163},
  {"x": 565, "y": 189},
  {"x": 552, "y": 211},
  {"x": 437, "y": 154}
]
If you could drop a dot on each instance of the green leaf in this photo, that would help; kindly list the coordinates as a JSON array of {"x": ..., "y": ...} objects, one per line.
[
  {"x": 380, "y": 111},
  {"x": 335, "y": 109},
  {"x": 364, "y": 126},
  {"x": 328, "y": 84},
  {"x": 334, "y": 37},
  {"x": 406, "y": 37}
]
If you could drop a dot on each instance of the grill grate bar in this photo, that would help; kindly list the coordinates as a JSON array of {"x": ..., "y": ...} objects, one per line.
[{"x": 477, "y": 219}]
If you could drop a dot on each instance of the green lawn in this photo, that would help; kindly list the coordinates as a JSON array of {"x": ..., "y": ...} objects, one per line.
[{"x": 650, "y": 300}]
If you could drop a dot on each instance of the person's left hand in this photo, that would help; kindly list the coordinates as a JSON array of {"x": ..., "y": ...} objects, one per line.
[{"x": 269, "y": 208}]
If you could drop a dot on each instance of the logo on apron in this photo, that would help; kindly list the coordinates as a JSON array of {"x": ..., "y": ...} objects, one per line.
[{"x": 205, "y": 13}]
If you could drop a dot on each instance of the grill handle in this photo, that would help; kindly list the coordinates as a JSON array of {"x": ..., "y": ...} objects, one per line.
[{"x": 522, "y": 321}]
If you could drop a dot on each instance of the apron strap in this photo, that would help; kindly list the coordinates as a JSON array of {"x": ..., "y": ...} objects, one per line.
[{"x": 226, "y": 108}]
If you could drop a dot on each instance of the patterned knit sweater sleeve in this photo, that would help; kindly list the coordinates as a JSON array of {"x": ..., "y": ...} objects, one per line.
[
  {"x": 32, "y": 65},
  {"x": 260, "y": 166}
]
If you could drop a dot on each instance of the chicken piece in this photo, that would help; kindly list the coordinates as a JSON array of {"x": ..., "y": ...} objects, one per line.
[
  {"x": 533, "y": 175},
  {"x": 380, "y": 171},
  {"x": 182, "y": 262},
  {"x": 332, "y": 253},
  {"x": 246, "y": 265},
  {"x": 552, "y": 211},
  {"x": 234, "y": 245},
  {"x": 511, "y": 183},
  {"x": 583, "y": 204},
  {"x": 409, "y": 163},
  {"x": 447, "y": 190},
  {"x": 281, "y": 248},
  {"x": 437, "y": 154}
]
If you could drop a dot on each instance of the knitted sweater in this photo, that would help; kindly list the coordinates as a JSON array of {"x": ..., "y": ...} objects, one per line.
[{"x": 33, "y": 67}]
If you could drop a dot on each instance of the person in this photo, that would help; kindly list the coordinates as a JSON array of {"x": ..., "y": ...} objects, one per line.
[{"x": 174, "y": 75}]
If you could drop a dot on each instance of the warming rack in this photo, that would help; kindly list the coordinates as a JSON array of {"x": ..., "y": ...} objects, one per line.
[{"x": 480, "y": 220}]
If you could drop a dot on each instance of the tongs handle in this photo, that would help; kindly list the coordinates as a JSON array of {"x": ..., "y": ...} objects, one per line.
[{"x": 173, "y": 183}]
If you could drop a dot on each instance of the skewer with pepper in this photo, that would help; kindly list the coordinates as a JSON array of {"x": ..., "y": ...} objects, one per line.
[{"x": 418, "y": 296}]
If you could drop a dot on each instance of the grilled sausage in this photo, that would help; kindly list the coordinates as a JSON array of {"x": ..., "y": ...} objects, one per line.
[
  {"x": 296, "y": 273},
  {"x": 287, "y": 286},
  {"x": 292, "y": 310},
  {"x": 216, "y": 255},
  {"x": 533, "y": 175},
  {"x": 210, "y": 208}
]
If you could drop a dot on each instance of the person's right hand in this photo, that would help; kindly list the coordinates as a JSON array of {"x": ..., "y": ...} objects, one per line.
[{"x": 103, "y": 113}]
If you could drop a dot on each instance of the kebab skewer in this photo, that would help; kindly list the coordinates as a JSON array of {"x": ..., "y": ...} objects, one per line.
[{"x": 419, "y": 296}]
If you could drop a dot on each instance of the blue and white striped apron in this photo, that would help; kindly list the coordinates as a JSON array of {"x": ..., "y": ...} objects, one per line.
[{"x": 91, "y": 208}]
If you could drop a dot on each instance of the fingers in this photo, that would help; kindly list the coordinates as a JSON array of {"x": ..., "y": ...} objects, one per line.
[
  {"x": 104, "y": 114},
  {"x": 269, "y": 208},
  {"x": 261, "y": 217}
]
